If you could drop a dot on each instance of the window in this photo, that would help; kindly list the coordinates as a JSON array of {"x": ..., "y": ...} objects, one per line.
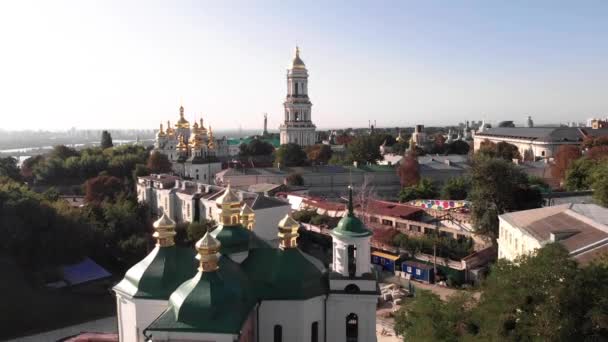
[
  {"x": 387, "y": 222},
  {"x": 314, "y": 332},
  {"x": 418, "y": 272},
  {"x": 278, "y": 333},
  {"x": 188, "y": 209},
  {"x": 352, "y": 328},
  {"x": 415, "y": 228},
  {"x": 352, "y": 262},
  {"x": 409, "y": 269},
  {"x": 373, "y": 219},
  {"x": 428, "y": 231},
  {"x": 400, "y": 225}
]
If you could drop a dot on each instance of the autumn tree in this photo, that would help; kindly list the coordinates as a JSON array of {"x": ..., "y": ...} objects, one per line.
[
  {"x": 289, "y": 155},
  {"x": 564, "y": 157},
  {"x": 409, "y": 170},
  {"x": 102, "y": 188},
  {"x": 319, "y": 153},
  {"x": 158, "y": 163}
]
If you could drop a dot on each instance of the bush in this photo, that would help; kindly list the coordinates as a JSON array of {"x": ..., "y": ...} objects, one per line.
[{"x": 304, "y": 215}]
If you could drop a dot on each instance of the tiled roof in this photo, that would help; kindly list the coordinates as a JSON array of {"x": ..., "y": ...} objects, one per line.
[
  {"x": 393, "y": 209},
  {"x": 550, "y": 134}
]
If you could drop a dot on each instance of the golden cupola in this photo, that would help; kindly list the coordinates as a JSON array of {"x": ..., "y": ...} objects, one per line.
[
  {"x": 208, "y": 249},
  {"x": 170, "y": 130},
  {"x": 181, "y": 144},
  {"x": 164, "y": 231},
  {"x": 247, "y": 217},
  {"x": 202, "y": 128},
  {"x": 182, "y": 122},
  {"x": 161, "y": 132},
  {"x": 230, "y": 207},
  {"x": 288, "y": 232},
  {"x": 211, "y": 143},
  {"x": 297, "y": 62}
]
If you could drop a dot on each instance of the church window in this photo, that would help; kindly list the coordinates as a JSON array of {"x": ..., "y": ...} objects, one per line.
[
  {"x": 196, "y": 177},
  {"x": 188, "y": 210},
  {"x": 278, "y": 333},
  {"x": 296, "y": 84},
  {"x": 314, "y": 332},
  {"x": 352, "y": 328},
  {"x": 352, "y": 261}
]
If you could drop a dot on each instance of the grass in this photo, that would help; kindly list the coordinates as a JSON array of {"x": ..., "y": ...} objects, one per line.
[{"x": 25, "y": 310}]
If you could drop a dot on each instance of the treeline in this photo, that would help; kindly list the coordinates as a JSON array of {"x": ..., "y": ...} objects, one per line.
[{"x": 546, "y": 297}]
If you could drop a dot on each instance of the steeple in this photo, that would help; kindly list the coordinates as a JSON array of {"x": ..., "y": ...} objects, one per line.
[
  {"x": 164, "y": 231},
  {"x": 211, "y": 143},
  {"x": 350, "y": 201},
  {"x": 230, "y": 207},
  {"x": 161, "y": 132},
  {"x": 208, "y": 253},
  {"x": 297, "y": 62},
  {"x": 288, "y": 232},
  {"x": 247, "y": 217}
]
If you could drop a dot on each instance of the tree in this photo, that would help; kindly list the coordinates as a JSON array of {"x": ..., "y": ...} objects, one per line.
[
  {"x": 425, "y": 189},
  {"x": 102, "y": 188},
  {"x": 289, "y": 155},
  {"x": 196, "y": 230},
  {"x": 255, "y": 147},
  {"x": 319, "y": 154},
  {"x": 498, "y": 186},
  {"x": 456, "y": 188},
  {"x": 106, "y": 140},
  {"x": 439, "y": 145},
  {"x": 27, "y": 167},
  {"x": 409, "y": 170},
  {"x": 566, "y": 154},
  {"x": 294, "y": 179},
  {"x": 507, "y": 151},
  {"x": 458, "y": 147},
  {"x": 590, "y": 141},
  {"x": 63, "y": 152},
  {"x": 158, "y": 163},
  {"x": 9, "y": 168},
  {"x": 578, "y": 174},
  {"x": 599, "y": 183},
  {"x": 597, "y": 152},
  {"x": 364, "y": 149},
  {"x": 428, "y": 318}
]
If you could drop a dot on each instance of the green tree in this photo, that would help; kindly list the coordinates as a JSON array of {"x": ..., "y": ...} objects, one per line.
[
  {"x": 578, "y": 175},
  {"x": 425, "y": 189},
  {"x": 9, "y": 168},
  {"x": 456, "y": 188},
  {"x": 458, "y": 147},
  {"x": 319, "y": 154},
  {"x": 196, "y": 230},
  {"x": 289, "y": 155},
  {"x": 498, "y": 186},
  {"x": 294, "y": 179},
  {"x": 256, "y": 147},
  {"x": 365, "y": 149},
  {"x": 63, "y": 152},
  {"x": 106, "y": 140},
  {"x": 599, "y": 183},
  {"x": 158, "y": 163}
]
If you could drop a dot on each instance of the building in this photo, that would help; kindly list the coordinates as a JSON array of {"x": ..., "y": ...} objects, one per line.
[
  {"x": 192, "y": 149},
  {"x": 297, "y": 127},
  {"x": 188, "y": 201},
  {"x": 581, "y": 228},
  {"x": 234, "y": 287},
  {"x": 540, "y": 142}
]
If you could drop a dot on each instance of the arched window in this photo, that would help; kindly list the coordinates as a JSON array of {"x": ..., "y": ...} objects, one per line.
[
  {"x": 352, "y": 328},
  {"x": 352, "y": 261},
  {"x": 278, "y": 333},
  {"x": 314, "y": 332}
]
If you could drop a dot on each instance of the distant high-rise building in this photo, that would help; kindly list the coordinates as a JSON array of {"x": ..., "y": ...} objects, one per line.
[
  {"x": 529, "y": 122},
  {"x": 297, "y": 126},
  {"x": 265, "y": 132}
]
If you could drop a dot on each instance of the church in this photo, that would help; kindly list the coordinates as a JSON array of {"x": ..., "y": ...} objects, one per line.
[
  {"x": 192, "y": 149},
  {"x": 234, "y": 286}
]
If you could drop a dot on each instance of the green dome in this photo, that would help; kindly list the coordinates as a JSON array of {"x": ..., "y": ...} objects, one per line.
[
  {"x": 234, "y": 239},
  {"x": 218, "y": 301},
  {"x": 350, "y": 225},
  {"x": 159, "y": 273},
  {"x": 283, "y": 274}
]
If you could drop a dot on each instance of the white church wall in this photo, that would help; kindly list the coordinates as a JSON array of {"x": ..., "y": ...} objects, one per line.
[
  {"x": 362, "y": 255},
  {"x": 339, "y": 306},
  {"x": 134, "y": 315},
  {"x": 295, "y": 317},
  {"x": 267, "y": 220}
]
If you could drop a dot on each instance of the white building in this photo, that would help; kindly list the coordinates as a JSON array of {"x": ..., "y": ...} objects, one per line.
[
  {"x": 581, "y": 228},
  {"x": 297, "y": 127},
  {"x": 187, "y": 201},
  {"x": 540, "y": 142},
  {"x": 245, "y": 290}
]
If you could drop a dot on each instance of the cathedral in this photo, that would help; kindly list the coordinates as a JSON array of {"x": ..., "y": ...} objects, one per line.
[
  {"x": 192, "y": 149},
  {"x": 297, "y": 127},
  {"x": 233, "y": 286}
]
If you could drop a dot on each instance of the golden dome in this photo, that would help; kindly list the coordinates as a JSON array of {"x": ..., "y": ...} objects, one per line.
[
  {"x": 181, "y": 145},
  {"x": 297, "y": 62},
  {"x": 182, "y": 122},
  {"x": 288, "y": 223},
  {"x": 164, "y": 231},
  {"x": 229, "y": 197},
  {"x": 288, "y": 232},
  {"x": 208, "y": 252},
  {"x": 211, "y": 143},
  {"x": 170, "y": 130},
  {"x": 161, "y": 133}
]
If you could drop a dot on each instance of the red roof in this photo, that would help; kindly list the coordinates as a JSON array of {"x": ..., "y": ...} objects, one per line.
[{"x": 393, "y": 209}]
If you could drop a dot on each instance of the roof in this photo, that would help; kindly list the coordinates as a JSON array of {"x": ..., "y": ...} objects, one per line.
[
  {"x": 263, "y": 187},
  {"x": 417, "y": 264},
  {"x": 393, "y": 209},
  {"x": 83, "y": 272},
  {"x": 264, "y": 202},
  {"x": 578, "y": 227},
  {"x": 159, "y": 273},
  {"x": 350, "y": 225},
  {"x": 546, "y": 134},
  {"x": 215, "y": 302},
  {"x": 234, "y": 239},
  {"x": 284, "y": 274},
  {"x": 386, "y": 255}
]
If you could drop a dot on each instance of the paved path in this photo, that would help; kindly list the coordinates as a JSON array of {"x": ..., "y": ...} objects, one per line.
[{"x": 106, "y": 325}]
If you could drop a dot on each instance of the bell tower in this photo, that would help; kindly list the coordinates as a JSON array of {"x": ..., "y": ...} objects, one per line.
[
  {"x": 297, "y": 126},
  {"x": 353, "y": 293}
]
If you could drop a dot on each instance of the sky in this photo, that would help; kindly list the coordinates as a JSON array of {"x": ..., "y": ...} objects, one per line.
[{"x": 130, "y": 64}]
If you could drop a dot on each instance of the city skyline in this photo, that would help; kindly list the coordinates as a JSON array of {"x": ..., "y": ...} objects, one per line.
[{"x": 129, "y": 65}]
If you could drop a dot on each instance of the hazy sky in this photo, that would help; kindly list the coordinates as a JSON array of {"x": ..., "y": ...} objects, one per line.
[{"x": 127, "y": 64}]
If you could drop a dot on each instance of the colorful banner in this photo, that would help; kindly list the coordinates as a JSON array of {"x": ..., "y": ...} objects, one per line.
[{"x": 440, "y": 204}]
